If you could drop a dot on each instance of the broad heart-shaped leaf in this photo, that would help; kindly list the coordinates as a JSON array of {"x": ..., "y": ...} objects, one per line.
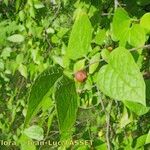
[
  {"x": 120, "y": 25},
  {"x": 121, "y": 78},
  {"x": 40, "y": 88},
  {"x": 66, "y": 104},
  {"x": 80, "y": 38}
]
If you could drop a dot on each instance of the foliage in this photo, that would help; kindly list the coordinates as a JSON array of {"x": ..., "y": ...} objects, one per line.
[{"x": 43, "y": 44}]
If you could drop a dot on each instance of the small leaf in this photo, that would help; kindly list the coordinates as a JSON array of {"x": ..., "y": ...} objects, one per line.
[
  {"x": 79, "y": 65},
  {"x": 144, "y": 22},
  {"x": 136, "y": 36},
  {"x": 6, "y": 52},
  {"x": 40, "y": 88},
  {"x": 121, "y": 78},
  {"x": 140, "y": 141},
  {"x": 23, "y": 70},
  {"x": 23, "y": 140},
  {"x": 93, "y": 63},
  {"x": 38, "y": 5},
  {"x": 120, "y": 25},
  {"x": 105, "y": 54},
  {"x": 136, "y": 108},
  {"x": 34, "y": 132},
  {"x": 148, "y": 138},
  {"x": 100, "y": 37},
  {"x": 80, "y": 38},
  {"x": 125, "y": 118},
  {"x": 16, "y": 38},
  {"x": 66, "y": 103}
]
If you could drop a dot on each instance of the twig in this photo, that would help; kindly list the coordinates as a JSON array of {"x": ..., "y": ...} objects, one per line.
[
  {"x": 141, "y": 47},
  {"x": 116, "y": 4},
  {"x": 107, "y": 14},
  {"x": 132, "y": 49},
  {"x": 94, "y": 62},
  {"x": 101, "y": 101},
  {"x": 108, "y": 127},
  {"x": 107, "y": 113}
]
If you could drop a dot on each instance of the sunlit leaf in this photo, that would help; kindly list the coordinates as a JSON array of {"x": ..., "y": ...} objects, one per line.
[{"x": 121, "y": 78}]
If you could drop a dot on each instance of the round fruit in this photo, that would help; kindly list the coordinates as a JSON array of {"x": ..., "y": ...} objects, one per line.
[{"x": 81, "y": 76}]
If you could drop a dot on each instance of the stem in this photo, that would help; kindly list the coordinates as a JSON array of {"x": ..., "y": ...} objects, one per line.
[
  {"x": 116, "y": 4},
  {"x": 108, "y": 127},
  {"x": 141, "y": 47}
]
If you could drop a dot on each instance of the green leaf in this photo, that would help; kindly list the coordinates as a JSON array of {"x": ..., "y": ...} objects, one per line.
[
  {"x": 120, "y": 26},
  {"x": 125, "y": 118},
  {"x": 40, "y": 88},
  {"x": 144, "y": 22},
  {"x": 105, "y": 54},
  {"x": 38, "y": 5},
  {"x": 23, "y": 70},
  {"x": 66, "y": 103},
  {"x": 79, "y": 65},
  {"x": 140, "y": 141},
  {"x": 94, "y": 65},
  {"x": 147, "y": 82},
  {"x": 34, "y": 132},
  {"x": 143, "y": 2},
  {"x": 80, "y": 38},
  {"x": 16, "y": 38},
  {"x": 136, "y": 36},
  {"x": 6, "y": 52},
  {"x": 100, "y": 37},
  {"x": 136, "y": 108},
  {"x": 148, "y": 138},
  {"x": 121, "y": 78},
  {"x": 24, "y": 142}
]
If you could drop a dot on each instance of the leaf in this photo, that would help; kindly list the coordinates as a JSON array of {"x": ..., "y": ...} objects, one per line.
[
  {"x": 136, "y": 36},
  {"x": 100, "y": 37},
  {"x": 121, "y": 78},
  {"x": 24, "y": 142},
  {"x": 125, "y": 118},
  {"x": 39, "y": 5},
  {"x": 23, "y": 70},
  {"x": 120, "y": 25},
  {"x": 148, "y": 138},
  {"x": 94, "y": 65},
  {"x": 79, "y": 65},
  {"x": 147, "y": 82},
  {"x": 144, "y": 22},
  {"x": 34, "y": 132},
  {"x": 143, "y": 2},
  {"x": 136, "y": 108},
  {"x": 140, "y": 141},
  {"x": 80, "y": 38},
  {"x": 16, "y": 38},
  {"x": 6, "y": 52},
  {"x": 105, "y": 54},
  {"x": 66, "y": 104},
  {"x": 40, "y": 88}
]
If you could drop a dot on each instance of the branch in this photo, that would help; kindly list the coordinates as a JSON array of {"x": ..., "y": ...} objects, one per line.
[
  {"x": 107, "y": 113},
  {"x": 141, "y": 47},
  {"x": 116, "y": 4},
  {"x": 132, "y": 49},
  {"x": 108, "y": 127}
]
